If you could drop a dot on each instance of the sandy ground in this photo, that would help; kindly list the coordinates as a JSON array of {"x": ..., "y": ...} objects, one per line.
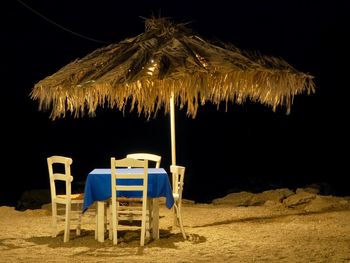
[{"x": 224, "y": 231}]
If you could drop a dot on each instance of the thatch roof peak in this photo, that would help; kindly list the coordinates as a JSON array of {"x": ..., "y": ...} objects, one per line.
[{"x": 165, "y": 26}]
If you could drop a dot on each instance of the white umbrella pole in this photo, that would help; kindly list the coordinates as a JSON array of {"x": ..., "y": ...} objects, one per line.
[
  {"x": 173, "y": 148},
  {"x": 172, "y": 129}
]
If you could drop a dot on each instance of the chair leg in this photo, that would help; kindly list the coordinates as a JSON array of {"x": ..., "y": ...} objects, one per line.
[
  {"x": 143, "y": 232},
  {"x": 78, "y": 230},
  {"x": 109, "y": 221},
  {"x": 179, "y": 219},
  {"x": 175, "y": 221},
  {"x": 67, "y": 223},
  {"x": 149, "y": 218},
  {"x": 54, "y": 219},
  {"x": 143, "y": 223},
  {"x": 115, "y": 224},
  {"x": 182, "y": 226}
]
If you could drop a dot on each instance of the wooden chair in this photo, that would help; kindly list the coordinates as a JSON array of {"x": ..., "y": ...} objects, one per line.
[
  {"x": 121, "y": 213},
  {"x": 68, "y": 199},
  {"x": 178, "y": 174},
  {"x": 146, "y": 156},
  {"x": 155, "y": 160}
]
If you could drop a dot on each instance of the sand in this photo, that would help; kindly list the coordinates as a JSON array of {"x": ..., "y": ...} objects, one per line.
[{"x": 316, "y": 230}]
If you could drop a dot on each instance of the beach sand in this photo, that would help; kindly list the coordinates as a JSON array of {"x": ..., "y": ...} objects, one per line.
[{"x": 241, "y": 227}]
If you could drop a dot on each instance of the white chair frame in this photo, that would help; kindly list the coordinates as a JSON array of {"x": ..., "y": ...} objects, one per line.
[
  {"x": 178, "y": 174},
  {"x": 67, "y": 199},
  {"x": 156, "y": 159},
  {"x": 123, "y": 212},
  {"x": 146, "y": 156}
]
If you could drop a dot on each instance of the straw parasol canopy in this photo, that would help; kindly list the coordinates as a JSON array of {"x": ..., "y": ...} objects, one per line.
[{"x": 167, "y": 61}]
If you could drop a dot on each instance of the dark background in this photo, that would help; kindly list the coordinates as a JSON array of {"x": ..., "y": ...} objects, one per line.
[{"x": 248, "y": 147}]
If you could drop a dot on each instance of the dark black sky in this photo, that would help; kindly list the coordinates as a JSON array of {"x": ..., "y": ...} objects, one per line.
[{"x": 248, "y": 147}]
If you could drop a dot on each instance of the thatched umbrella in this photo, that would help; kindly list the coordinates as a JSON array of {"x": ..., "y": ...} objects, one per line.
[{"x": 168, "y": 63}]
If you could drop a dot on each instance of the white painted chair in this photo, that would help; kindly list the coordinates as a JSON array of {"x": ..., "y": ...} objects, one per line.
[
  {"x": 155, "y": 160},
  {"x": 178, "y": 174},
  {"x": 146, "y": 156},
  {"x": 72, "y": 202},
  {"x": 120, "y": 213}
]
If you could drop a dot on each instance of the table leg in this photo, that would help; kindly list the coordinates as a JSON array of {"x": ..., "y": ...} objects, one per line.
[
  {"x": 100, "y": 221},
  {"x": 155, "y": 221}
]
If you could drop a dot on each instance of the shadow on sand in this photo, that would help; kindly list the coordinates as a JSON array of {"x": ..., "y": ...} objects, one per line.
[{"x": 85, "y": 244}]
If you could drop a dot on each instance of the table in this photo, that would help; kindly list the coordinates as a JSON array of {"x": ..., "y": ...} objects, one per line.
[{"x": 98, "y": 189}]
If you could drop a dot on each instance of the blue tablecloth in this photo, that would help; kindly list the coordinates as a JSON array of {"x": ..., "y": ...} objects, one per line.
[{"x": 98, "y": 186}]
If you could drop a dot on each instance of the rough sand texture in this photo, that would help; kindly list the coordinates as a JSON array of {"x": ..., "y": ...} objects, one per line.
[{"x": 316, "y": 231}]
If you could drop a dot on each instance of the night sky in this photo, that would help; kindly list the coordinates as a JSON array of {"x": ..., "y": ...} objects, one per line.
[{"x": 248, "y": 147}]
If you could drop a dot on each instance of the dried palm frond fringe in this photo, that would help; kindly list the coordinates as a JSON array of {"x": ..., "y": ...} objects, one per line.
[{"x": 143, "y": 71}]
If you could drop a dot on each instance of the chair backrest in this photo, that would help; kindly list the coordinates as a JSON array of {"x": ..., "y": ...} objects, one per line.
[
  {"x": 138, "y": 213},
  {"x": 178, "y": 174},
  {"x": 146, "y": 156},
  {"x": 129, "y": 163},
  {"x": 60, "y": 176}
]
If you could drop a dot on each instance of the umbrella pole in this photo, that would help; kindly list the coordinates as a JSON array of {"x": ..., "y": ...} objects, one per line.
[
  {"x": 172, "y": 129},
  {"x": 173, "y": 148}
]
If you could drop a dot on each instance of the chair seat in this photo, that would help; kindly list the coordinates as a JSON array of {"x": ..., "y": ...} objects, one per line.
[
  {"x": 176, "y": 196},
  {"x": 75, "y": 198},
  {"x": 129, "y": 199}
]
